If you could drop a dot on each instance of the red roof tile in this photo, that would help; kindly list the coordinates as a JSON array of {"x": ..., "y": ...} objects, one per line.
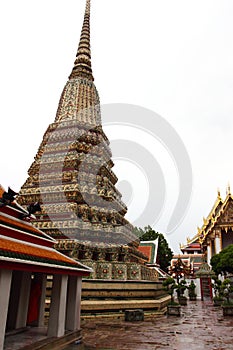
[{"x": 29, "y": 253}]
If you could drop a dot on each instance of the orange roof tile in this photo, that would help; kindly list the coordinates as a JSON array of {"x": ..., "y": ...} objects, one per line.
[
  {"x": 147, "y": 250},
  {"x": 20, "y": 225},
  {"x": 1, "y": 191},
  {"x": 7, "y": 245}
]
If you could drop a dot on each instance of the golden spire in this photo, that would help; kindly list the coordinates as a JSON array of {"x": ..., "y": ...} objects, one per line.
[
  {"x": 82, "y": 65},
  {"x": 228, "y": 189}
]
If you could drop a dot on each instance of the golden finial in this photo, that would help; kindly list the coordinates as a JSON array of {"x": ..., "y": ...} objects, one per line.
[
  {"x": 82, "y": 65},
  {"x": 219, "y": 194},
  {"x": 204, "y": 220},
  {"x": 228, "y": 192}
]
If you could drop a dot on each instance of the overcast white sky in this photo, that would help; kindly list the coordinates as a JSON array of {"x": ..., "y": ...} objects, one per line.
[{"x": 173, "y": 57}]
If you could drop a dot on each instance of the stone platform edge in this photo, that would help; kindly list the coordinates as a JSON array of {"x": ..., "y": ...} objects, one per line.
[{"x": 55, "y": 343}]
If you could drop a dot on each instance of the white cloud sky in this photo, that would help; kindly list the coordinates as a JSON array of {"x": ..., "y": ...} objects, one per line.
[{"x": 173, "y": 57}]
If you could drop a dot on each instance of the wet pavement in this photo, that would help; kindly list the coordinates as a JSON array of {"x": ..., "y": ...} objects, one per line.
[
  {"x": 201, "y": 326},
  {"x": 25, "y": 338}
]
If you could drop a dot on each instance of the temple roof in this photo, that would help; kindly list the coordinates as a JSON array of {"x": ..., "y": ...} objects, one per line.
[
  {"x": 209, "y": 223},
  {"x": 25, "y": 251},
  {"x": 149, "y": 249},
  {"x": 10, "y": 222},
  {"x": 214, "y": 216},
  {"x": 23, "y": 244},
  {"x": 191, "y": 247},
  {"x": 192, "y": 244}
]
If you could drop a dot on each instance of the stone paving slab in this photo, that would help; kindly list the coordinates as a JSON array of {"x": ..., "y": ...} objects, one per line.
[
  {"x": 201, "y": 326},
  {"x": 24, "y": 339}
]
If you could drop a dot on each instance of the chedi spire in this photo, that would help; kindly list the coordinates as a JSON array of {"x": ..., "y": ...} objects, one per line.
[
  {"x": 71, "y": 178},
  {"x": 82, "y": 64}
]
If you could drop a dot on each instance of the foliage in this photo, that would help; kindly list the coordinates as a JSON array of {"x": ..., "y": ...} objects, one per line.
[
  {"x": 170, "y": 285},
  {"x": 191, "y": 289},
  {"x": 181, "y": 287},
  {"x": 217, "y": 286},
  {"x": 227, "y": 289},
  {"x": 222, "y": 263},
  {"x": 164, "y": 254},
  {"x": 228, "y": 303},
  {"x": 222, "y": 289},
  {"x": 173, "y": 302}
]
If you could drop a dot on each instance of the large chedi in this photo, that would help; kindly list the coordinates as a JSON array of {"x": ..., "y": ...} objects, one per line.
[{"x": 72, "y": 179}]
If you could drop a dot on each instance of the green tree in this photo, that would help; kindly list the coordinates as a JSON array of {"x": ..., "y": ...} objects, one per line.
[
  {"x": 165, "y": 254},
  {"x": 223, "y": 262},
  {"x": 170, "y": 285}
]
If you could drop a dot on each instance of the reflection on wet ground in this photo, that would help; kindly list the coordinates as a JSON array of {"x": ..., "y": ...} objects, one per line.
[{"x": 201, "y": 326}]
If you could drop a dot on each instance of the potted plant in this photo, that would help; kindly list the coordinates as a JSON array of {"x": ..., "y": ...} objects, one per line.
[
  {"x": 173, "y": 308},
  {"x": 180, "y": 289},
  {"x": 218, "y": 291},
  {"x": 191, "y": 291},
  {"x": 222, "y": 263},
  {"x": 227, "y": 290}
]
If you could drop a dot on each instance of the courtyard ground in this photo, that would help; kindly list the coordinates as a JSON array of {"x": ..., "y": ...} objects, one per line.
[{"x": 201, "y": 326}]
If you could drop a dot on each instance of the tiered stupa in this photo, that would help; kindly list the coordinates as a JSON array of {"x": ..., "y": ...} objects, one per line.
[{"x": 72, "y": 180}]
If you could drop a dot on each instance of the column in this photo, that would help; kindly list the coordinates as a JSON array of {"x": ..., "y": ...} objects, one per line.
[
  {"x": 209, "y": 251},
  {"x": 57, "y": 312},
  {"x": 24, "y": 295},
  {"x": 218, "y": 241},
  {"x": 5, "y": 287},
  {"x": 73, "y": 309},
  {"x": 42, "y": 301}
]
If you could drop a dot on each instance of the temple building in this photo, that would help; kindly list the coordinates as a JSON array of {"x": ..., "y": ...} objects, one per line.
[
  {"x": 150, "y": 249},
  {"x": 72, "y": 179},
  {"x": 216, "y": 232},
  {"x": 27, "y": 258},
  {"x": 191, "y": 255}
]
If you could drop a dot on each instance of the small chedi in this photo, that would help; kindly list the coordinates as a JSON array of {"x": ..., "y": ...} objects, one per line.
[{"x": 72, "y": 179}]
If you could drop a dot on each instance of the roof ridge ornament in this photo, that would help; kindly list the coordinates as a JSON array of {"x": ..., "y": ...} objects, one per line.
[
  {"x": 7, "y": 197},
  {"x": 82, "y": 65},
  {"x": 228, "y": 192}
]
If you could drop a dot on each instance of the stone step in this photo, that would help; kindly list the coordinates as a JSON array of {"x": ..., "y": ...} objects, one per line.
[
  {"x": 88, "y": 306},
  {"x": 100, "y": 284},
  {"x": 120, "y": 315},
  {"x": 112, "y": 289}
]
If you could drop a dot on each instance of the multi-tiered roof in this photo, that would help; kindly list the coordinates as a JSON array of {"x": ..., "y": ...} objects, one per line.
[
  {"x": 24, "y": 247},
  {"x": 220, "y": 216},
  {"x": 217, "y": 212}
]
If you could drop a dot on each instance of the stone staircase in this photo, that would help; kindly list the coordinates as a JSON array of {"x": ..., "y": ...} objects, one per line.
[{"x": 110, "y": 298}]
